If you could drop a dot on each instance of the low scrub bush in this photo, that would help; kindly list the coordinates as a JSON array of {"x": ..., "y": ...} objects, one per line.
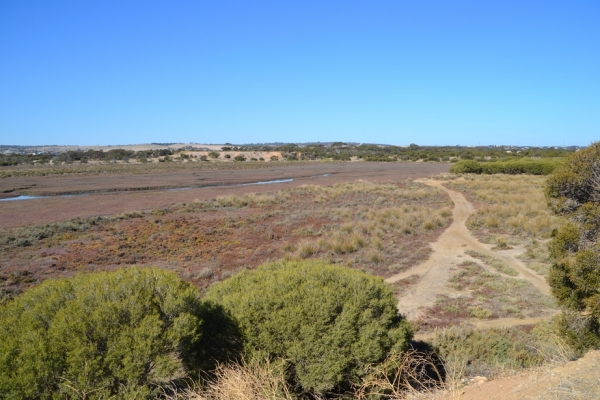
[
  {"x": 328, "y": 322},
  {"x": 466, "y": 167},
  {"x": 28, "y": 235},
  {"x": 479, "y": 312},
  {"x": 122, "y": 334},
  {"x": 512, "y": 167},
  {"x": 470, "y": 352}
]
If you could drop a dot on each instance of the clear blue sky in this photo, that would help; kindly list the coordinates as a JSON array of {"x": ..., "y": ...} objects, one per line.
[{"x": 426, "y": 72}]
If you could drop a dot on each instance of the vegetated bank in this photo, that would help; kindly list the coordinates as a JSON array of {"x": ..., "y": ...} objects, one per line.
[{"x": 512, "y": 166}]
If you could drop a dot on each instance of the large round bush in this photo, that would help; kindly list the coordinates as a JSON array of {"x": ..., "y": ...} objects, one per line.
[
  {"x": 121, "y": 334},
  {"x": 328, "y": 322}
]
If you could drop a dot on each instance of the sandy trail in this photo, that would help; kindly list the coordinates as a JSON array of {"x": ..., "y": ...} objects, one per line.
[{"x": 448, "y": 251}]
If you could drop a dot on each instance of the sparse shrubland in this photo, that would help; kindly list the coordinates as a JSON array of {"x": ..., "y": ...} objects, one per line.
[
  {"x": 369, "y": 226},
  {"x": 301, "y": 327}
]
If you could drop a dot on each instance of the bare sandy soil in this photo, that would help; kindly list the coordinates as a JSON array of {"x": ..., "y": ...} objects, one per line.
[
  {"x": 578, "y": 379},
  {"x": 447, "y": 252},
  {"x": 117, "y": 193}
]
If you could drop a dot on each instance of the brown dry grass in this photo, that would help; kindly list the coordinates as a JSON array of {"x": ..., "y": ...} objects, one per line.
[
  {"x": 400, "y": 376},
  {"x": 370, "y": 230},
  {"x": 510, "y": 210},
  {"x": 507, "y": 204},
  {"x": 133, "y": 167},
  {"x": 377, "y": 227},
  {"x": 585, "y": 386},
  {"x": 248, "y": 381}
]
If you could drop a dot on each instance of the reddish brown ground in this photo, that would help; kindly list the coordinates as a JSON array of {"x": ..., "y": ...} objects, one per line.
[
  {"x": 204, "y": 245},
  {"x": 117, "y": 193}
]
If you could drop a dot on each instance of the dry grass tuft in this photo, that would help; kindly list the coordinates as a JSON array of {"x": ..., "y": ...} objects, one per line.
[
  {"x": 582, "y": 387},
  {"x": 412, "y": 373},
  {"x": 241, "y": 382}
]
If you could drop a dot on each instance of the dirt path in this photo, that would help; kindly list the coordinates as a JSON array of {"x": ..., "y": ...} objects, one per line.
[
  {"x": 575, "y": 380},
  {"x": 448, "y": 251}
]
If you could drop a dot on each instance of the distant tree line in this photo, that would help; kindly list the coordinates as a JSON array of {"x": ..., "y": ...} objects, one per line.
[
  {"x": 83, "y": 156},
  {"x": 337, "y": 151}
]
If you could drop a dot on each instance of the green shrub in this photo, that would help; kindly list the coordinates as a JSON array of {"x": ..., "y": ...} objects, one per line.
[
  {"x": 512, "y": 167},
  {"x": 579, "y": 332},
  {"x": 122, "y": 334},
  {"x": 466, "y": 167},
  {"x": 574, "y": 180},
  {"x": 573, "y": 191},
  {"x": 328, "y": 322},
  {"x": 479, "y": 312},
  {"x": 239, "y": 158}
]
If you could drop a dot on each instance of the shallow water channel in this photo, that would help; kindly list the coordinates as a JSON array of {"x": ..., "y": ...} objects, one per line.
[{"x": 25, "y": 197}]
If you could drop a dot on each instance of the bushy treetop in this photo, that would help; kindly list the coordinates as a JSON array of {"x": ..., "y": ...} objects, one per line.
[{"x": 576, "y": 181}]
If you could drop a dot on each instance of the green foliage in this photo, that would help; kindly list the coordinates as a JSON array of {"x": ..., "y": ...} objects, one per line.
[
  {"x": 327, "y": 321},
  {"x": 573, "y": 191},
  {"x": 519, "y": 166},
  {"x": 580, "y": 333},
  {"x": 123, "y": 334},
  {"x": 573, "y": 183},
  {"x": 466, "y": 167}
]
